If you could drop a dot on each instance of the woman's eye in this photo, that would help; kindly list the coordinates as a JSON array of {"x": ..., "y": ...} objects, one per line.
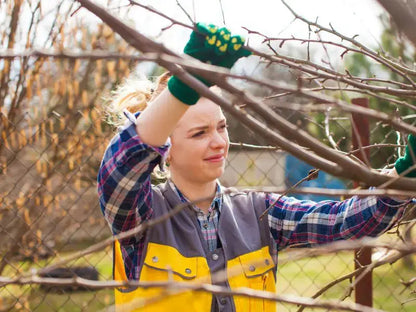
[
  {"x": 198, "y": 134},
  {"x": 223, "y": 126}
]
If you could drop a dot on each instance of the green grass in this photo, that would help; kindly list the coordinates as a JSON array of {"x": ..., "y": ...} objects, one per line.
[
  {"x": 307, "y": 276},
  {"x": 33, "y": 298},
  {"x": 301, "y": 278}
]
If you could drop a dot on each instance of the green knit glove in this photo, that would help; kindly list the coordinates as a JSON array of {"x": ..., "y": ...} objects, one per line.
[
  {"x": 406, "y": 161},
  {"x": 211, "y": 45}
]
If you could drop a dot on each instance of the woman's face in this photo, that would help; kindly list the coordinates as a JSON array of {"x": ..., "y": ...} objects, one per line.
[{"x": 199, "y": 144}]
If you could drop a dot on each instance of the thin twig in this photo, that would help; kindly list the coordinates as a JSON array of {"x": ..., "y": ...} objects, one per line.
[
  {"x": 222, "y": 12},
  {"x": 185, "y": 12},
  {"x": 313, "y": 174}
]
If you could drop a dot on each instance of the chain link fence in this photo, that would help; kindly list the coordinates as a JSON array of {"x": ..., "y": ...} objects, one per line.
[
  {"x": 53, "y": 133},
  {"x": 49, "y": 206},
  {"x": 49, "y": 209}
]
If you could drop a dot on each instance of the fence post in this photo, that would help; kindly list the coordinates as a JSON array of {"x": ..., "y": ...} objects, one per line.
[{"x": 364, "y": 288}]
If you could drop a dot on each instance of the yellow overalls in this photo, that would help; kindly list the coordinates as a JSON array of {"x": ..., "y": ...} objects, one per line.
[{"x": 164, "y": 260}]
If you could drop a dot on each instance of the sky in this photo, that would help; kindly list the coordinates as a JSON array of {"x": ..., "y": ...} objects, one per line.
[{"x": 270, "y": 17}]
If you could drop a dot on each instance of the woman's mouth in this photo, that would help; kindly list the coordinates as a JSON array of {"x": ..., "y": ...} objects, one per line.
[{"x": 215, "y": 158}]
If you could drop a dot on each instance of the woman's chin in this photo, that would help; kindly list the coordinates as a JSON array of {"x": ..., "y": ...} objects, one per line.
[
  {"x": 216, "y": 174},
  {"x": 212, "y": 174}
]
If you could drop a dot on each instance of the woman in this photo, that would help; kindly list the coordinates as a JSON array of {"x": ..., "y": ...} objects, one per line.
[{"x": 221, "y": 233}]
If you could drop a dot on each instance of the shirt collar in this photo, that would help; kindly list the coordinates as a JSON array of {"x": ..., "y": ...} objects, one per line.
[{"x": 216, "y": 203}]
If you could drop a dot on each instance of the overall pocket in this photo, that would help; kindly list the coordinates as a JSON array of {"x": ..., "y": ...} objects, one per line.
[
  {"x": 253, "y": 270},
  {"x": 165, "y": 264}
]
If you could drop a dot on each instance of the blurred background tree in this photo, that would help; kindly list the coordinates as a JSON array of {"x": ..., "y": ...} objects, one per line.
[{"x": 52, "y": 130}]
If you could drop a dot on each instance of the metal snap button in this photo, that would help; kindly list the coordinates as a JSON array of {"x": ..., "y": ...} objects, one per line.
[
  {"x": 223, "y": 301},
  {"x": 155, "y": 259},
  {"x": 188, "y": 271},
  {"x": 215, "y": 257},
  {"x": 267, "y": 262},
  {"x": 252, "y": 268}
]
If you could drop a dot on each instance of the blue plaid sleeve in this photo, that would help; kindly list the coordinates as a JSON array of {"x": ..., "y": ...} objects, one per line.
[
  {"x": 124, "y": 187},
  {"x": 305, "y": 222}
]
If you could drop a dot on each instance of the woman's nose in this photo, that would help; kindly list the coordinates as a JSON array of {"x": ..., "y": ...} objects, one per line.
[{"x": 218, "y": 140}]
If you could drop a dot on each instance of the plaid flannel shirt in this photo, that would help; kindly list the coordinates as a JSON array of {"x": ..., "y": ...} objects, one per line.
[
  {"x": 208, "y": 222},
  {"x": 124, "y": 190}
]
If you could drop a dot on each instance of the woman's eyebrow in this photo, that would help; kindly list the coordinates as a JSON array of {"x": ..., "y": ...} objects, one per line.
[
  {"x": 204, "y": 127},
  {"x": 198, "y": 128}
]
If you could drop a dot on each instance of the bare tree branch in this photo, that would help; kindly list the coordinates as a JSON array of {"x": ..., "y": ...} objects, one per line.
[
  {"x": 173, "y": 288},
  {"x": 341, "y": 166},
  {"x": 404, "y": 15},
  {"x": 332, "y": 31}
]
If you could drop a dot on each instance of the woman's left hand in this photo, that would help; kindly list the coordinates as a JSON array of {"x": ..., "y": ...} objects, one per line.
[{"x": 408, "y": 160}]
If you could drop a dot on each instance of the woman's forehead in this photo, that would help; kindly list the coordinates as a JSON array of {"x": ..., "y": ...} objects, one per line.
[{"x": 202, "y": 113}]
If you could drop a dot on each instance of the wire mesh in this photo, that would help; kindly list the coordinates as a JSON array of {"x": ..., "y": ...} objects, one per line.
[
  {"x": 50, "y": 209},
  {"x": 53, "y": 135}
]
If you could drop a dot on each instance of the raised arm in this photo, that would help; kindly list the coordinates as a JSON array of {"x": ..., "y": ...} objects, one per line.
[
  {"x": 295, "y": 221},
  {"x": 124, "y": 187},
  {"x": 208, "y": 44},
  {"x": 306, "y": 222},
  {"x": 156, "y": 123}
]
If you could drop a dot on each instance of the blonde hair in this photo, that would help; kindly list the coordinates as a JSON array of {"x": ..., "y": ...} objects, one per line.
[{"x": 134, "y": 94}]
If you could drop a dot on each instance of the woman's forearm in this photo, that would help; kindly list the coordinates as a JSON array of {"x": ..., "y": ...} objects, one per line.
[{"x": 156, "y": 123}]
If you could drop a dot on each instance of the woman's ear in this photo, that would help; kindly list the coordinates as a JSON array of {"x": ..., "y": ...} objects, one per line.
[{"x": 167, "y": 160}]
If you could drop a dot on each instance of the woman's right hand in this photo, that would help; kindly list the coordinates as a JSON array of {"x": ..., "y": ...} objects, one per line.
[
  {"x": 212, "y": 45},
  {"x": 216, "y": 46}
]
